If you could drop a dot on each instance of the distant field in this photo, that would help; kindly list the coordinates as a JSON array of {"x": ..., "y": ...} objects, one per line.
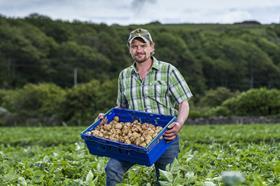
[{"x": 57, "y": 156}]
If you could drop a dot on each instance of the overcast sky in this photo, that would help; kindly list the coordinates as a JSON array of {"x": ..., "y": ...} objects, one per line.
[{"x": 126, "y": 12}]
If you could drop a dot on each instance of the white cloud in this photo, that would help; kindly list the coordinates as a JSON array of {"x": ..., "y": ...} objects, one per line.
[
  {"x": 234, "y": 16},
  {"x": 145, "y": 11}
]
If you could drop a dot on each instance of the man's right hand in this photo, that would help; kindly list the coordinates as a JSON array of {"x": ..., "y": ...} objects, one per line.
[{"x": 100, "y": 115}]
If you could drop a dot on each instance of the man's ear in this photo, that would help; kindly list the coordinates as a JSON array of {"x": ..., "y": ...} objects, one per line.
[
  {"x": 128, "y": 48},
  {"x": 153, "y": 46}
]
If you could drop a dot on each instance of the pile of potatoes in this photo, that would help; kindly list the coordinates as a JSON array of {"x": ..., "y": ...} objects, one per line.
[{"x": 128, "y": 132}]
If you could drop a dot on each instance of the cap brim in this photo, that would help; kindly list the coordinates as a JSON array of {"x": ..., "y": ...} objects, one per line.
[{"x": 145, "y": 39}]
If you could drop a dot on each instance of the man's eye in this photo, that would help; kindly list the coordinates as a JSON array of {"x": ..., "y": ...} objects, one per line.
[{"x": 141, "y": 46}]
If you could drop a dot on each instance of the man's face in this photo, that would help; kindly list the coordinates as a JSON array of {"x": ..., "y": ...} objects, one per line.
[{"x": 140, "y": 51}]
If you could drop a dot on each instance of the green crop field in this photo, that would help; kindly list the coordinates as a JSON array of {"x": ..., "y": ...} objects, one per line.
[{"x": 57, "y": 156}]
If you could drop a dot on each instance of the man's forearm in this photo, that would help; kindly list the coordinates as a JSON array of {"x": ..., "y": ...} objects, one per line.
[{"x": 183, "y": 112}]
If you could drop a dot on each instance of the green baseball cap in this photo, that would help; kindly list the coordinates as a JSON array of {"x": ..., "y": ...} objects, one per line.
[{"x": 142, "y": 33}]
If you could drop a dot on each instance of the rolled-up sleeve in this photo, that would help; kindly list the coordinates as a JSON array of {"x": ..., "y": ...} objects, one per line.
[{"x": 178, "y": 87}]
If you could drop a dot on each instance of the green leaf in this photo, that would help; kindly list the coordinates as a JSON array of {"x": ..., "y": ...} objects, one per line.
[
  {"x": 89, "y": 177},
  {"x": 166, "y": 175},
  {"x": 21, "y": 181},
  {"x": 209, "y": 183},
  {"x": 178, "y": 180},
  {"x": 174, "y": 167},
  {"x": 276, "y": 168},
  {"x": 164, "y": 183}
]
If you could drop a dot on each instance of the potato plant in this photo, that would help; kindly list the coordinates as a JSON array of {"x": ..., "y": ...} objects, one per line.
[
  {"x": 58, "y": 156},
  {"x": 136, "y": 133}
]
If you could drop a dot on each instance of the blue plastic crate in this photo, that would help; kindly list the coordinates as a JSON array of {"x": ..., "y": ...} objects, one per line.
[{"x": 129, "y": 152}]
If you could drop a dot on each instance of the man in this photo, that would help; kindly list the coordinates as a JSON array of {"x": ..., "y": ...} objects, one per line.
[{"x": 154, "y": 86}]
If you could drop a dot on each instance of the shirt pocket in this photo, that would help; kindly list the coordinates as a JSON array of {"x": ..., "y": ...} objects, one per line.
[
  {"x": 132, "y": 93},
  {"x": 159, "y": 89}
]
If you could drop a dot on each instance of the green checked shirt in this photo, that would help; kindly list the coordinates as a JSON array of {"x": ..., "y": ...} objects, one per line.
[{"x": 161, "y": 90}]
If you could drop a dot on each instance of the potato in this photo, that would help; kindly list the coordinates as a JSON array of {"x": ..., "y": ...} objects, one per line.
[
  {"x": 128, "y": 132},
  {"x": 116, "y": 118}
]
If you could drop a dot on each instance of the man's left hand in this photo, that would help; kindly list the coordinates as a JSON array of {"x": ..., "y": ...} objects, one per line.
[{"x": 173, "y": 130}]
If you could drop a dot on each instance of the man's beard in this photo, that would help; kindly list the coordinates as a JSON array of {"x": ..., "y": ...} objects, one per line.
[{"x": 142, "y": 59}]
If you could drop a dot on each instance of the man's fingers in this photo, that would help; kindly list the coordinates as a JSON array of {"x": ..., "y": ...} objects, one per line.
[
  {"x": 169, "y": 138},
  {"x": 100, "y": 115},
  {"x": 168, "y": 134},
  {"x": 171, "y": 133},
  {"x": 171, "y": 125}
]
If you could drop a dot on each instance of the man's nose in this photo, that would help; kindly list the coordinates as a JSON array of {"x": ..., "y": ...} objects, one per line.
[{"x": 139, "y": 48}]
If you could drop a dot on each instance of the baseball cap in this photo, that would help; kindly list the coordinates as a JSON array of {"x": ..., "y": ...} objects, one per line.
[{"x": 142, "y": 33}]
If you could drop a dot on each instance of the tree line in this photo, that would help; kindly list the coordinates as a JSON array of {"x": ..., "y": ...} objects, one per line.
[
  {"x": 49, "y": 104},
  {"x": 37, "y": 49}
]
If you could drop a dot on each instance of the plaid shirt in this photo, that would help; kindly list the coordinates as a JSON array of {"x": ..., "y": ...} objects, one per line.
[{"x": 160, "y": 91}]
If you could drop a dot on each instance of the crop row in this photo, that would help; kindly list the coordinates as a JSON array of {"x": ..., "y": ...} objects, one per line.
[{"x": 57, "y": 156}]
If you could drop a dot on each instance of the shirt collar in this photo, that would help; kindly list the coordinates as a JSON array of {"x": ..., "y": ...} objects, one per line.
[{"x": 155, "y": 65}]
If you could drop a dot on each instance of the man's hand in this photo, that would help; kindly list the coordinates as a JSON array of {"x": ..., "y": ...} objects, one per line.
[
  {"x": 100, "y": 116},
  {"x": 173, "y": 130},
  {"x": 176, "y": 126}
]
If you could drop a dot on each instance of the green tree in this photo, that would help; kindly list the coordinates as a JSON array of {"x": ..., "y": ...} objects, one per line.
[
  {"x": 34, "y": 100},
  {"x": 215, "y": 97},
  {"x": 254, "y": 102},
  {"x": 83, "y": 102}
]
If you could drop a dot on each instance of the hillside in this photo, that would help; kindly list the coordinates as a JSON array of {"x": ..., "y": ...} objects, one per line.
[{"x": 38, "y": 49}]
